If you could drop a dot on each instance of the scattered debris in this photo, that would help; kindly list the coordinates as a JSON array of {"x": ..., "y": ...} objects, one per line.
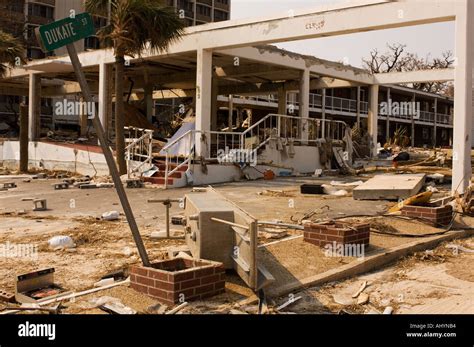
[
  {"x": 363, "y": 299},
  {"x": 61, "y": 242},
  {"x": 291, "y": 301},
  {"x": 111, "y": 216},
  {"x": 388, "y": 310},
  {"x": 361, "y": 289},
  {"x": 458, "y": 248},
  {"x": 330, "y": 190},
  {"x": 421, "y": 198},
  {"x": 177, "y": 308},
  {"x": 40, "y": 205},
  {"x": 104, "y": 282},
  {"x": 60, "y": 186},
  {"x": 6, "y": 296}
]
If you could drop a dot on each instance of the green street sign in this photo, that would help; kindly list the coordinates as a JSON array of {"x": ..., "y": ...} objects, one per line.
[{"x": 65, "y": 31}]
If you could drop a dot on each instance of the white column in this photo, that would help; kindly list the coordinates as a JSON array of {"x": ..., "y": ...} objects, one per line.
[
  {"x": 323, "y": 113},
  {"x": 34, "y": 106},
  {"x": 389, "y": 103},
  {"x": 464, "y": 39},
  {"x": 105, "y": 76},
  {"x": 358, "y": 107},
  {"x": 373, "y": 116},
  {"x": 435, "y": 130},
  {"x": 203, "y": 97},
  {"x": 230, "y": 118},
  {"x": 413, "y": 122},
  {"x": 304, "y": 104}
]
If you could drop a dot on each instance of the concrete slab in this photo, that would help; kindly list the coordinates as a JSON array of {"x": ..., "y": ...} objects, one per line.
[{"x": 390, "y": 187}]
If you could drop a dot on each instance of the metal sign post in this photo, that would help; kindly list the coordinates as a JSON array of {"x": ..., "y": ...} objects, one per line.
[{"x": 71, "y": 30}]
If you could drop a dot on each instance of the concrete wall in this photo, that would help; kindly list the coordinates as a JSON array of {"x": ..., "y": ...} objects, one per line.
[
  {"x": 55, "y": 157},
  {"x": 305, "y": 160}
]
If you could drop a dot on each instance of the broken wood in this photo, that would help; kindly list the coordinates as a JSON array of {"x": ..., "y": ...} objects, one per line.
[{"x": 361, "y": 289}]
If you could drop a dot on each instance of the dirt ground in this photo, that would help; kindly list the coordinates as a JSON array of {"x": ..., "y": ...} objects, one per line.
[
  {"x": 103, "y": 246},
  {"x": 438, "y": 281}
]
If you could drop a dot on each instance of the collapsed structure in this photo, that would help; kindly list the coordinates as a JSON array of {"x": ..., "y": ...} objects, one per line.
[
  {"x": 290, "y": 131},
  {"x": 227, "y": 61}
]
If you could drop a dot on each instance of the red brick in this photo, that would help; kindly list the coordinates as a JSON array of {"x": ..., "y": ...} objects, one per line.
[
  {"x": 139, "y": 271},
  {"x": 210, "y": 279},
  {"x": 219, "y": 285},
  {"x": 204, "y": 289},
  {"x": 184, "y": 276},
  {"x": 159, "y": 275},
  {"x": 204, "y": 272},
  {"x": 166, "y": 285},
  {"x": 158, "y": 293},
  {"x": 190, "y": 284},
  {"x": 146, "y": 281},
  {"x": 188, "y": 293}
]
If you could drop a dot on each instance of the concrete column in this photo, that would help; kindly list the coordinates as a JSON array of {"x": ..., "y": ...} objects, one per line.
[
  {"x": 282, "y": 101},
  {"x": 323, "y": 116},
  {"x": 214, "y": 96},
  {"x": 34, "y": 106},
  {"x": 435, "y": 131},
  {"x": 387, "y": 127},
  {"x": 83, "y": 118},
  {"x": 105, "y": 95},
  {"x": 413, "y": 122},
  {"x": 203, "y": 97},
  {"x": 23, "y": 138},
  {"x": 304, "y": 104},
  {"x": 358, "y": 107},
  {"x": 464, "y": 38},
  {"x": 230, "y": 119},
  {"x": 373, "y": 116}
]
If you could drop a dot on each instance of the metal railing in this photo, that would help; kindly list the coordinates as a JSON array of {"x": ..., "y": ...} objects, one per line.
[
  {"x": 139, "y": 149},
  {"x": 179, "y": 153},
  {"x": 347, "y": 105}
]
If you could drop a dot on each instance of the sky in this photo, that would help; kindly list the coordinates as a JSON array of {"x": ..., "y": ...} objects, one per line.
[{"x": 426, "y": 40}]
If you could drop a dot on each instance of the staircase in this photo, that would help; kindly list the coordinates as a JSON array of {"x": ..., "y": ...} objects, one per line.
[
  {"x": 179, "y": 154},
  {"x": 159, "y": 178}
]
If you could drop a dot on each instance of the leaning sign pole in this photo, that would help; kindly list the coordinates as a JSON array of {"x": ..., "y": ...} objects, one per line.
[{"x": 64, "y": 33}]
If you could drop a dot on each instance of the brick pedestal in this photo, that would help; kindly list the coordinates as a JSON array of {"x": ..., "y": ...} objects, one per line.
[
  {"x": 172, "y": 281},
  {"x": 340, "y": 233},
  {"x": 432, "y": 215}
]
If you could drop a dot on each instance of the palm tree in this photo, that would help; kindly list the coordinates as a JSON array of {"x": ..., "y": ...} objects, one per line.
[
  {"x": 134, "y": 26},
  {"x": 11, "y": 52}
]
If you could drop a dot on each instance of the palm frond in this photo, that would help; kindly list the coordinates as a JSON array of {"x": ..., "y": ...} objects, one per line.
[
  {"x": 137, "y": 24},
  {"x": 11, "y": 51}
]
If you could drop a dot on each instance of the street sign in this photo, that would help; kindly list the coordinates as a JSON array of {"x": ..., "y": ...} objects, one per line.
[{"x": 65, "y": 31}]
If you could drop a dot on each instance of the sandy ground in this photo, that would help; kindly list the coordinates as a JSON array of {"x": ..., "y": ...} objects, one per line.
[
  {"x": 438, "y": 281},
  {"x": 104, "y": 246}
]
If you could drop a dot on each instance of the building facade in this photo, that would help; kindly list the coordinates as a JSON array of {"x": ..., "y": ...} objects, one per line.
[{"x": 21, "y": 17}]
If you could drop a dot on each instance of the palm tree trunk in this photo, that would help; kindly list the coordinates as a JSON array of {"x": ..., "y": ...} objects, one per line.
[{"x": 119, "y": 114}]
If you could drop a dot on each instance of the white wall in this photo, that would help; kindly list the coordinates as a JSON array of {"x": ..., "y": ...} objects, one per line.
[{"x": 56, "y": 157}]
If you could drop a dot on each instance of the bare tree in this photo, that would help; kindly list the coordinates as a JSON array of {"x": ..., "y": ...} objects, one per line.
[{"x": 396, "y": 59}]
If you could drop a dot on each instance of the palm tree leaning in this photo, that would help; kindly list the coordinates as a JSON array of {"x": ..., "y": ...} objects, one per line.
[
  {"x": 12, "y": 52},
  {"x": 134, "y": 26}
]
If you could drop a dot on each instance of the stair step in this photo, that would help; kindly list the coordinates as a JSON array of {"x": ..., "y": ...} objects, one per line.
[
  {"x": 162, "y": 167},
  {"x": 159, "y": 180}
]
